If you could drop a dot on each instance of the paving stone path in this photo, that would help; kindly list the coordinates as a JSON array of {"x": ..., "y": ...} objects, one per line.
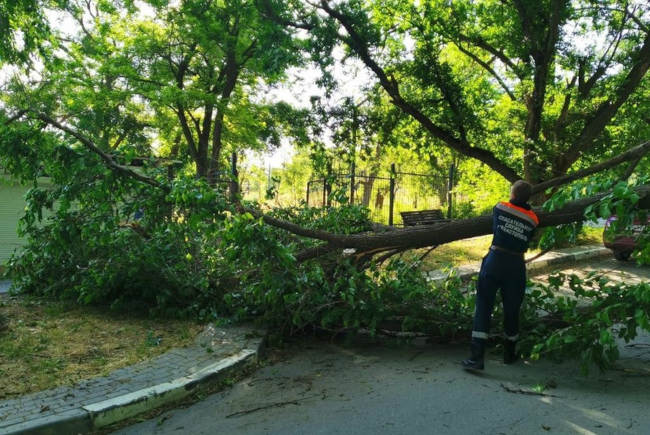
[{"x": 211, "y": 346}]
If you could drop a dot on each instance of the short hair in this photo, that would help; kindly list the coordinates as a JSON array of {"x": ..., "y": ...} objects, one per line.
[{"x": 521, "y": 190}]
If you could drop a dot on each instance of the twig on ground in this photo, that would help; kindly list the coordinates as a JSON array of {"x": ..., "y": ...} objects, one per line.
[
  {"x": 527, "y": 392},
  {"x": 270, "y": 405}
]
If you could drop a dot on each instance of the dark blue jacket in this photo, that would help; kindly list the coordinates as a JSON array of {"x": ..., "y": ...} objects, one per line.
[{"x": 513, "y": 226}]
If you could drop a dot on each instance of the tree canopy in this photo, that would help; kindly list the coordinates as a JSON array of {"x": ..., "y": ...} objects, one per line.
[{"x": 529, "y": 88}]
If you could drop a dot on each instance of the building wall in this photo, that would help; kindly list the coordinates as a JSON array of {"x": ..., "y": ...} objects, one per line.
[{"x": 12, "y": 206}]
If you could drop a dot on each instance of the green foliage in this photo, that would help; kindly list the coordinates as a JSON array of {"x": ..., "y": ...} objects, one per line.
[
  {"x": 586, "y": 323},
  {"x": 92, "y": 249},
  {"x": 189, "y": 255},
  {"x": 23, "y": 28},
  {"x": 491, "y": 75},
  {"x": 333, "y": 295},
  {"x": 186, "y": 84},
  {"x": 346, "y": 219},
  {"x": 622, "y": 202},
  {"x": 292, "y": 299}
]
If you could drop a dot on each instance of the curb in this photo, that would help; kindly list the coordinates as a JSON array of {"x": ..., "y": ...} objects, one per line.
[
  {"x": 542, "y": 265},
  {"x": 107, "y": 412}
]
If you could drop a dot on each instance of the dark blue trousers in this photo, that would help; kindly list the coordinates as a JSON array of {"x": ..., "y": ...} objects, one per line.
[{"x": 505, "y": 272}]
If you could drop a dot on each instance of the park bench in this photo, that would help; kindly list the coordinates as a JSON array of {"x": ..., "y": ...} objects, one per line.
[{"x": 422, "y": 217}]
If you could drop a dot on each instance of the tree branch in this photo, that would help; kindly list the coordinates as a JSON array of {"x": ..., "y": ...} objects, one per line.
[
  {"x": 586, "y": 87},
  {"x": 120, "y": 139},
  {"x": 560, "y": 123},
  {"x": 16, "y": 117},
  {"x": 191, "y": 144},
  {"x": 231, "y": 73},
  {"x": 267, "y": 10},
  {"x": 438, "y": 234},
  {"x": 606, "y": 111},
  {"x": 248, "y": 53},
  {"x": 197, "y": 125},
  {"x": 543, "y": 57},
  {"x": 481, "y": 43},
  {"x": 634, "y": 153},
  {"x": 489, "y": 69},
  {"x": 644, "y": 27},
  {"x": 108, "y": 160},
  {"x": 630, "y": 169}
]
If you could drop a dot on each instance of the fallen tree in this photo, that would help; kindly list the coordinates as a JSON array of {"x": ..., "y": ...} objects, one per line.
[
  {"x": 193, "y": 252},
  {"x": 197, "y": 254},
  {"x": 399, "y": 240}
]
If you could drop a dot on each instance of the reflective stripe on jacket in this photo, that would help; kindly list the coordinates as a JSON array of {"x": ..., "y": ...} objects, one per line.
[{"x": 513, "y": 226}]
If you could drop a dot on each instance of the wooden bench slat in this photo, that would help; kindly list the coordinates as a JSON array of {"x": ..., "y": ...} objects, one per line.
[{"x": 422, "y": 217}]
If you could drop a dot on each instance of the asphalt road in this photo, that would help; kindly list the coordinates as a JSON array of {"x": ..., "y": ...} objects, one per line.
[{"x": 382, "y": 388}]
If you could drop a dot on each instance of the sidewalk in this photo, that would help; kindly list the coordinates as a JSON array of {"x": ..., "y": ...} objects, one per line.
[
  {"x": 98, "y": 402},
  {"x": 551, "y": 260}
]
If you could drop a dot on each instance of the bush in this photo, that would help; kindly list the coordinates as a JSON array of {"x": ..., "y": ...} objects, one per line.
[{"x": 586, "y": 325}]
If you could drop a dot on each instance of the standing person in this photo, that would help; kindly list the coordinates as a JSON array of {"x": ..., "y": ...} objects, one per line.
[{"x": 503, "y": 268}]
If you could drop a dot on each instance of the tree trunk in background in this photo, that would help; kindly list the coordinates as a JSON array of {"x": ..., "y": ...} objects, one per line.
[{"x": 367, "y": 190}]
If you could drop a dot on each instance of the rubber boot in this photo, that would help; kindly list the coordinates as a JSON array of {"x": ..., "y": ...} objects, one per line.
[
  {"x": 509, "y": 354},
  {"x": 475, "y": 361}
]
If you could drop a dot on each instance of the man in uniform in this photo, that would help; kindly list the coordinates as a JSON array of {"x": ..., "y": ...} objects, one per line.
[{"x": 503, "y": 268}]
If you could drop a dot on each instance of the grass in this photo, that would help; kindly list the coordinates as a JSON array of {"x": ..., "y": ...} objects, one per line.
[
  {"x": 474, "y": 249},
  {"x": 45, "y": 344}
]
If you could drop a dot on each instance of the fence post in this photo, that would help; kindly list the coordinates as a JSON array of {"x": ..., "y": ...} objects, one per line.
[
  {"x": 450, "y": 186},
  {"x": 391, "y": 206},
  {"x": 234, "y": 182},
  {"x": 328, "y": 186},
  {"x": 308, "y": 186},
  {"x": 352, "y": 169}
]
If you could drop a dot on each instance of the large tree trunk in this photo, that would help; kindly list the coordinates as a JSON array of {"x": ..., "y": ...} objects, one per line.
[{"x": 429, "y": 235}]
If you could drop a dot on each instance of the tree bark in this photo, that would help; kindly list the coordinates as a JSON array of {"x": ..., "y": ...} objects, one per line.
[
  {"x": 635, "y": 153},
  {"x": 231, "y": 70},
  {"x": 429, "y": 235}
]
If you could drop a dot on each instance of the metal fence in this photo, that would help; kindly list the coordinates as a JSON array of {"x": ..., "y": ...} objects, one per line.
[{"x": 384, "y": 194}]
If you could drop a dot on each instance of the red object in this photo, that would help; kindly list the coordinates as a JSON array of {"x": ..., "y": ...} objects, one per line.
[
  {"x": 622, "y": 245},
  {"x": 531, "y": 214}
]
